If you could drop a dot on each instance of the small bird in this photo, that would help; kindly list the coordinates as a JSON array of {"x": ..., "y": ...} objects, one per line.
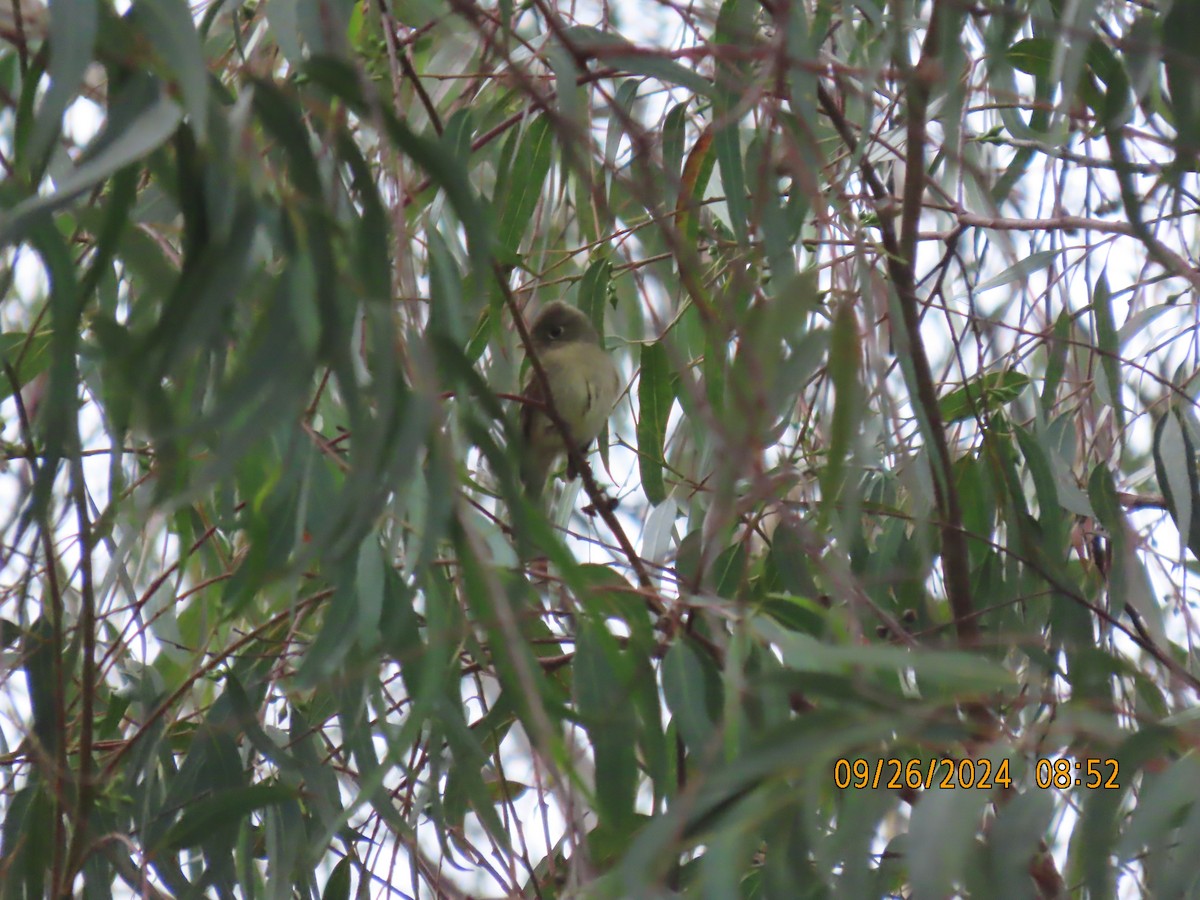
[{"x": 584, "y": 382}]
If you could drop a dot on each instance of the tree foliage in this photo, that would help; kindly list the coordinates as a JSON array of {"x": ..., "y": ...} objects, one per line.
[{"x": 897, "y": 596}]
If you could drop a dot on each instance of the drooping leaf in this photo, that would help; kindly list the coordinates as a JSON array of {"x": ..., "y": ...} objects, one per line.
[
  {"x": 523, "y": 191},
  {"x": 656, "y": 393},
  {"x": 74, "y": 25},
  {"x": 1178, "y": 472},
  {"x": 144, "y": 117}
]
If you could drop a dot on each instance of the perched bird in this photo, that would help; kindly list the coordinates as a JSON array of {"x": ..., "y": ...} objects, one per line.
[{"x": 584, "y": 383}]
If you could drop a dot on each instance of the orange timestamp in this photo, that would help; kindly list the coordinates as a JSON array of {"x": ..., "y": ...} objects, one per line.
[
  {"x": 942, "y": 772},
  {"x": 1063, "y": 773},
  {"x": 982, "y": 774}
]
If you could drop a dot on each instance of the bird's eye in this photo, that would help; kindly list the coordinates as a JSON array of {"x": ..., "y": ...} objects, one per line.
[{"x": 555, "y": 332}]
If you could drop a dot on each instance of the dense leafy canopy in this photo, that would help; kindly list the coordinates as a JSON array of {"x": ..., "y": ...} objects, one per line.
[{"x": 898, "y": 595}]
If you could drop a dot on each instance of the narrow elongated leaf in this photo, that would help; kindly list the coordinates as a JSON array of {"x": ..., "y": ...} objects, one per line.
[
  {"x": 373, "y": 255},
  {"x": 602, "y": 687},
  {"x": 523, "y": 192},
  {"x": 147, "y": 128},
  {"x": 949, "y": 820},
  {"x": 27, "y": 355},
  {"x": 28, "y": 834},
  {"x": 1179, "y": 30},
  {"x": 625, "y": 99},
  {"x": 224, "y": 808},
  {"x": 284, "y": 21},
  {"x": 446, "y": 312},
  {"x": 73, "y": 28},
  {"x": 1129, "y": 584},
  {"x": 691, "y": 689},
  {"x": 727, "y": 143},
  {"x": 1020, "y": 270},
  {"x": 337, "y": 636},
  {"x": 595, "y": 288},
  {"x": 845, "y": 358},
  {"x": 805, "y": 653},
  {"x": 614, "y": 50},
  {"x": 674, "y": 128},
  {"x": 1175, "y": 464},
  {"x": 1057, "y": 360},
  {"x": 1015, "y": 837},
  {"x": 987, "y": 392},
  {"x": 1165, "y": 796},
  {"x": 169, "y": 26},
  {"x": 697, "y": 171},
  {"x": 1141, "y": 321},
  {"x": 1106, "y": 340},
  {"x": 656, "y": 394},
  {"x": 446, "y": 170}
]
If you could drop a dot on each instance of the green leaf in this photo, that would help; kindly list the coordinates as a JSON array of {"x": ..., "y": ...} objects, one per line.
[
  {"x": 1103, "y": 495},
  {"x": 1172, "y": 873},
  {"x": 674, "y": 128},
  {"x": 468, "y": 767},
  {"x": 445, "y": 169},
  {"x": 987, "y": 392},
  {"x": 147, "y": 118},
  {"x": 39, "y": 654},
  {"x": 1014, "y": 838},
  {"x": 1165, "y": 797},
  {"x": 960, "y": 671},
  {"x": 728, "y": 147},
  {"x": 1020, "y": 270},
  {"x": 521, "y": 195},
  {"x": 373, "y": 257},
  {"x": 1033, "y": 56},
  {"x": 845, "y": 358},
  {"x": 1178, "y": 473},
  {"x": 194, "y": 313},
  {"x": 692, "y": 689},
  {"x": 322, "y": 26},
  {"x": 1129, "y": 584},
  {"x": 283, "y": 19},
  {"x": 28, "y": 355},
  {"x": 728, "y": 570},
  {"x": 1054, "y": 524},
  {"x": 223, "y": 809},
  {"x": 1056, "y": 362},
  {"x": 789, "y": 560},
  {"x": 623, "y": 102},
  {"x": 602, "y": 684},
  {"x": 28, "y": 834},
  {"x": 1181, "y": 58},
  {"x": 595, "y": 290},
  {"x": 169, "y": 26},
  {"x": 614, "y": 50},
  {"x": 58, "y": 420},
  {"x": 73, "y": 28},
  {"x": 282, "y": 117},
  {"x": 1106, "y": 340},
  {"x": 446, "y": 307},
  {"x": 340, "y": 630},
  {"x": 369, "y": 576},
  {"x": 1094, "y": 839},
  {"x": 1139, "y": 322},
  {"x": 948, "y": 820},
  {"x": 656, "y": 394}
]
